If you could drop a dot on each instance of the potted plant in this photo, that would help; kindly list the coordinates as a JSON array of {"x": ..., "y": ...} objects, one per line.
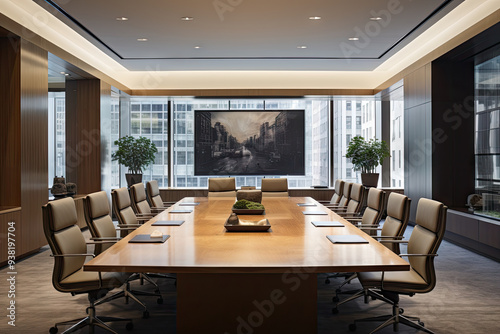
[
  {"x": 135, "y": 154},
  {"x": 366, "y": 155}
]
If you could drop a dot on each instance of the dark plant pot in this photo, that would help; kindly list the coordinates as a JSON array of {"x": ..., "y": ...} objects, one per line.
[
  {"x": 133, "y": 179},
  {"x": 369, "y": 179}
]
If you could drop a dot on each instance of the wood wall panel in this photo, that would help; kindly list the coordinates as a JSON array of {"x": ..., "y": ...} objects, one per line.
[
  {"x": 34, "y": 145},
  {"x": 10, "y": 124},
  {"x": 83, "y": 134},
  {"x": 4, "y": 219}
]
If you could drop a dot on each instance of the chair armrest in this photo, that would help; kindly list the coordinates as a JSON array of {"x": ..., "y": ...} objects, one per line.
[
  {"x": 144, "y": 215},
  {"x": 430, "y": 255},
  {"x": 71, "y": 255},
  {"x": 144, "y": 219},
  {"x": 129, "y": 225},
  {"x": 344, "y": 213},
  {"x": 395, "y": 241},
  {"x": 354, "y": 219},
  {"x": 105, "y": 238}
]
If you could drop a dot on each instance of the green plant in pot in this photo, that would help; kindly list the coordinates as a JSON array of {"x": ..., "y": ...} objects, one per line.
[
  {"x": 135, "y": 154},
  {"x": 365, "y": 156}
]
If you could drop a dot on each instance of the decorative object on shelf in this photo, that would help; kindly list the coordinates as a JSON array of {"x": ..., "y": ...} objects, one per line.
[
  {"x": 365, "y": 156},
  {"x": 135, "y": 154},
  {"x": 246, "y": 207},
  {"x": 62, "y": 189},
  {"x": 252, "y": 195},
  {"x": 475, "y": 202}
]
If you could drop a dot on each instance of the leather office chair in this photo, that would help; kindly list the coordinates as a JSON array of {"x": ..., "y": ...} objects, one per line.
[
  {"x": 222, "y": 187},
  {"x": 274, "y": 187},
  {"x": 122, "y": 208},
  {"x": 371, "y": 217},
  {"x": 337, "y": 195},
  {"x": 153, "y": 194},
  {"x": 398, "y": 214},
  {"x": 355, "y": 204},
  {"x": 423, "y": 244},
  {"x": 344, "y": 199},
  {"x": 102, "y": 229},
  {"x": 69, "y": 250},
  {"x": 140, "y": 202}
]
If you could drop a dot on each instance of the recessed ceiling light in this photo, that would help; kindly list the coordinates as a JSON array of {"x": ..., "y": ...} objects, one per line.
[
  {"x": 314, "y": 17},
  {"x": 301, "y": 47},
  {"x": 197, "y": 47},
  {"x": 187, "y": 18},
  {"x": 66, "y": 74},
  {"x": 354, "y": 39},
  {"x": 123, "y": 18},
  {"x": 142, "y": 39},
  {"x": 375, "y": 18}
]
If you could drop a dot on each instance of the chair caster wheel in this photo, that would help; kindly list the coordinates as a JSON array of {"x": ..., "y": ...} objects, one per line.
[
  {"x": 129, "y": 326},
  {"x": 373, "y": 298},
  {"x": 335, "y": 310},
  {"x": 335, "y": 299},
  {"x": 352, "y": 327},
  {"x": 53, "y": 330},
  {"x": 401, "y": 310},
  {"x": 338, "y": 291},
  {"x": 159, "y": 301},
  {"x": 421, "y": 323},
  {"x": 145, "y": 314},
  {"x": 327, "y": 281}
]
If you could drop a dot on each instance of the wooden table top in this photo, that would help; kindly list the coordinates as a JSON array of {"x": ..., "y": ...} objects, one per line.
[{"x": 202, "y": 244}]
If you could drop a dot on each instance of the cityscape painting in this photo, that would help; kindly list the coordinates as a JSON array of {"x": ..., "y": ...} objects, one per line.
[{"x": 249, "y": 142}]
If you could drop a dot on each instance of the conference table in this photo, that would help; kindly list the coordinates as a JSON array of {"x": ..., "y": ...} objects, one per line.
[{"x": 247, "y": 282}]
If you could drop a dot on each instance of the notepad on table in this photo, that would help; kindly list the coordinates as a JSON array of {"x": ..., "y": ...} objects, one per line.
[
  {"x": 306, "y": 204},
  {"x": 347, "y": 239},
  {"x": 168, "y": 223},
  {"x": 181, "y": 211},
  {"x": 146, "y": 238},
  {"x": 328, "y": 224},
  {"x": 314, "y": 213},
  {"x": 189, "y": 204}
]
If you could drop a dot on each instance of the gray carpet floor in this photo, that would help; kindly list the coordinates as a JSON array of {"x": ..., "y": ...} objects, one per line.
[{"x": 465, "y": 300}]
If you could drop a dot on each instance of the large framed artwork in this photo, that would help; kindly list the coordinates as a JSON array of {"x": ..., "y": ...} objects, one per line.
[{"x": 249, "y": 142}]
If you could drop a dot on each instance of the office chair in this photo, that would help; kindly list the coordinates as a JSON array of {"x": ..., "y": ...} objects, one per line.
[
  {"x": 371, "y": 217},
  {"x": 222, "y": 187},
  {"x": 122, "y": 208},
  {"x": 69, "y": 250},
  {"x": 153, "y": 194},
  {"x": 398, "y": 213},
  {"x": 102, "y": 229},
  {"x": 344, "y": 199},
  {"x": 140, "y": 202},
  {"x": 422, "y": 249},
  {"x": 274, "y": 187},
  {"x": 337, "y": 195},
  {"x": 355, "y": 204}
]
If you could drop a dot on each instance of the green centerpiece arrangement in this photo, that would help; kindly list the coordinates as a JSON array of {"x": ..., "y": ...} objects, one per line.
[{"x": 244, "y": 206}]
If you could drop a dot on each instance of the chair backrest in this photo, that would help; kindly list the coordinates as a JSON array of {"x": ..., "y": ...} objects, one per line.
[
  {"x": 346, "y": 194},
  {"x": 153, "y": 194},
  {"x": 430, "y": 223},
  {"x": 339, "y": 189},
  {"x": 64, "y": 237},
  {"x": 222, "y": 187},
  {"x": 122, "y": 206},
  {"x": 99, "y": 222},
  {"x": 355, "y": 203},
  {"x": 375, "y": 205},
  {"x": 274, "y": 187},
  {"x": 398, "y": 214},
  {"x": 139, "y": 199}
]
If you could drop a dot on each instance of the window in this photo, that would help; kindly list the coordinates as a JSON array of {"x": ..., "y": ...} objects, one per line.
[
  {"x": 57, "y": 135},
  {"x": 358, "y": 122},
  {"x": 348, "y": 122},
  {"x": 393, "y": 160}
]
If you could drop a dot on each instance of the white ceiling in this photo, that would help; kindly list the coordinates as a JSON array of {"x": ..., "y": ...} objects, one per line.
[{"x": 250, "y": 35}]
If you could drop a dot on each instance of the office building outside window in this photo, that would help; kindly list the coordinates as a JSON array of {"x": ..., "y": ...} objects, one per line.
[{"x": 397, "y": 136}]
